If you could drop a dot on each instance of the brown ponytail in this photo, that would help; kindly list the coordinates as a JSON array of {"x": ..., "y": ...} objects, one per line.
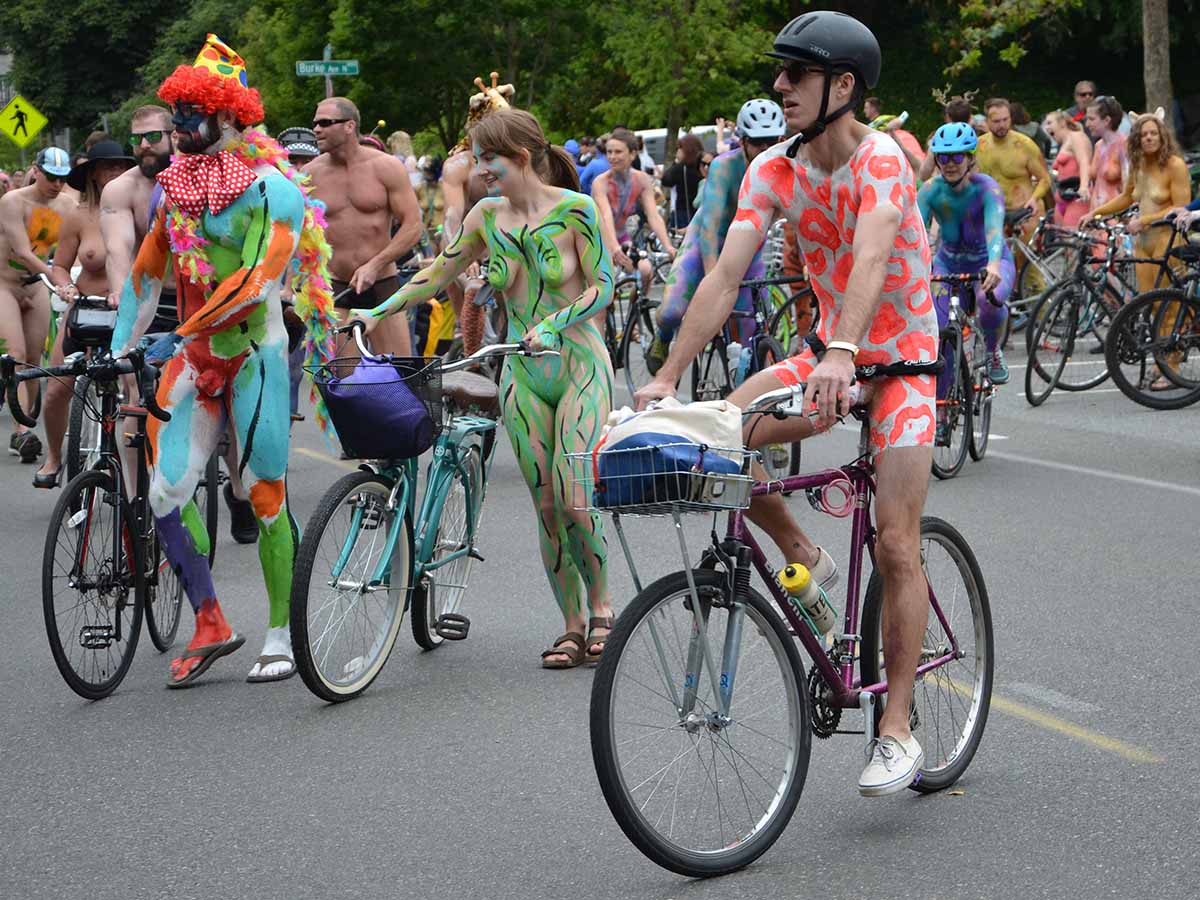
[{"x": 509, "y": 131}]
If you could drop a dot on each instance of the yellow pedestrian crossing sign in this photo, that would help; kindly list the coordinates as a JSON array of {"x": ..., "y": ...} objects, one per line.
[{"x": 20, "y": 121}]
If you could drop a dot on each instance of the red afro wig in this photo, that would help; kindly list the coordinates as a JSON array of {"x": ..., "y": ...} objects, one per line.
[{"x": 211, "y": 92}]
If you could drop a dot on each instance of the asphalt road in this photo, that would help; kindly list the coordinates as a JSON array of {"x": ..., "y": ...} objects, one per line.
[{"x": 466, "y": 772}]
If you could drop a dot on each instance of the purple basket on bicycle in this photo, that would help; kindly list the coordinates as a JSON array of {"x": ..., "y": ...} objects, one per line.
[{"x": 382, "y": 408}]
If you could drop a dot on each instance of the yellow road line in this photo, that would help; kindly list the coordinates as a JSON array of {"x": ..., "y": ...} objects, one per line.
[
  {"x": 1070, "y": 729},
  {"x": 326, "y": 458}
]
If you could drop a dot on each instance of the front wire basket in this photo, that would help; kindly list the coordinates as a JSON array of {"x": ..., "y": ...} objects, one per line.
[
  {"x": 656, "y": 481},
  {"x": 357, "y": 411}
]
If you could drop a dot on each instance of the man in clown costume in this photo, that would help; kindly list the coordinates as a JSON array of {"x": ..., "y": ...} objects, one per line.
[{"x": 234, "y": 216}]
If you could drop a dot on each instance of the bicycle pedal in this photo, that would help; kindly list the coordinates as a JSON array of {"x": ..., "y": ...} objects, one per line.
[{"x": 452, "y": 626}]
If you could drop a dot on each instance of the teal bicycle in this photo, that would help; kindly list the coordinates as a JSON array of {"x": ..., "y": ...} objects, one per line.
[{"x": 371, "y": 551}]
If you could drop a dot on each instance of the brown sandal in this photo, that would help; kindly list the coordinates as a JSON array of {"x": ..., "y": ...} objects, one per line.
[
  {"x": 563, "y": 647},
  {"x": 594, "y": 623}
]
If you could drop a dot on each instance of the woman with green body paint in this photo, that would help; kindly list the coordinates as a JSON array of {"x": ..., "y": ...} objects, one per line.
[{"x": 546, "y": 259}]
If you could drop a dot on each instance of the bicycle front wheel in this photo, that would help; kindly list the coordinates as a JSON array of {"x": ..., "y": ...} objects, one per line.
[
  {"x": 164, "y": 597},
  {"x": 83, "y": 428},
  {"x": 982, "y": 391},
  {"x": 441, "y": 591},
  {"x": 350, "y": 586},
  {"x": 89, "y": 587},
  {"x": 698, "y": 791},
  {"x": 636, "y": 338},
  {"x": 1051, "y": 342},
  {"x": 710, "y": 373},
  {"x": 950, "y": 450},
  {"x": 950, "y": 702}
]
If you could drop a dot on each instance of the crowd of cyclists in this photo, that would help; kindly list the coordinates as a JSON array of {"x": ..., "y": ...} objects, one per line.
[{"x": 871, "y": 213}]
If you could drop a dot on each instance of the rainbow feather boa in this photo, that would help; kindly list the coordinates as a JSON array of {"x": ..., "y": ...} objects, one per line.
[{"x": 311, "y": 290}]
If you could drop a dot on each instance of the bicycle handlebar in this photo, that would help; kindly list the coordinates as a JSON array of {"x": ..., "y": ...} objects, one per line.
[
  {"x": 356, "y": 328},
  {"x": 967, "y": 278},
  {"x": 55, "y": 290},
  {"x": 765, "y": 282},
  {"x": 772, "y": 399},
  {"x": 104, "y": 368}
]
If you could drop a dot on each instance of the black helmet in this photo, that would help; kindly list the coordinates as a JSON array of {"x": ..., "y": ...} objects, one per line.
[
  {"x": 836, "y": 42},
  {"x": 833, "y": 40}
]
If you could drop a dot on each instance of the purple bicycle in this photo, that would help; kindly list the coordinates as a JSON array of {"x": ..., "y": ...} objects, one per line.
[{"x": 702, "y": 710}]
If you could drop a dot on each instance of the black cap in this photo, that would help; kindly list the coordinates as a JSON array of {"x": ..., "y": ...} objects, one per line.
[{"x": 100, "y": 151}]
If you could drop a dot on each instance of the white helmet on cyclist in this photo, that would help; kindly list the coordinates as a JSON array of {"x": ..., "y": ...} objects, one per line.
[{"x": 759, "y": 119}]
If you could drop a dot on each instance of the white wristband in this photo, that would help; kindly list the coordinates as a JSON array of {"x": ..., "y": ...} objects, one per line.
[{"x": 850, "y": 348}]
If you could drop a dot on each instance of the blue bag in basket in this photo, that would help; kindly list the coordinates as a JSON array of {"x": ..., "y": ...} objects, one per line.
[
  {"x": 377, "y": 415},
  {"x": 651, "y": 467}
]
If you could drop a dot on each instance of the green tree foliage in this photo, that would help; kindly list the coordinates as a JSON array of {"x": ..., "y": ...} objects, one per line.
[{"x": 76, "y": 60}]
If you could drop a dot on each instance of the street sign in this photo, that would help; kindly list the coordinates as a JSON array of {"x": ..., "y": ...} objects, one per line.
[
  {"x": 20, "y": 121},
  {"x": 325, "y": 67}
]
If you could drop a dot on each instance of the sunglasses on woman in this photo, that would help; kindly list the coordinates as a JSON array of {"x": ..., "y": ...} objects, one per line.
[{"x": 944, "y": 159}]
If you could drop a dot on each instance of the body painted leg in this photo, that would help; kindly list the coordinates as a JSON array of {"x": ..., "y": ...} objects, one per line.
[
  {"x": 685, "y": 277},
  {"x": 992, "y": 317},
  {"x": 579, "y": 420},
  {"x": 530, "y": 423},
  {"x": 259, "y": 408},
  {"x": 179, "y": 450}
]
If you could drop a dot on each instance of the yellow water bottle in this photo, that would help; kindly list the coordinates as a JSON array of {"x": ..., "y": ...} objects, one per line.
[{"x": 808, "y": 597}]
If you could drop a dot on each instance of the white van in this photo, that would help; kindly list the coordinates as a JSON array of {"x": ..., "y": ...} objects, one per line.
[{"x": 656, "y": 140}]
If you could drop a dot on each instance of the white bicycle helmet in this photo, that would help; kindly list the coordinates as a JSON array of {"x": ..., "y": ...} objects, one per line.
[{"x": 760, "y": 119}]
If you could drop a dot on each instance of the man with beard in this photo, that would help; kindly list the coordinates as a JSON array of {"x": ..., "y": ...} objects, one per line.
[
  {"x": 30, "y": 218},
  {"x": 232, "y": 218},
  {"x": 363, "y": 190},
  {"x": 127, "y": 209}
]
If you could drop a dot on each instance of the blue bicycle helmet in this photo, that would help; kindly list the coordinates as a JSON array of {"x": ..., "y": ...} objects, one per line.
[{"x": 954, "y": 137}]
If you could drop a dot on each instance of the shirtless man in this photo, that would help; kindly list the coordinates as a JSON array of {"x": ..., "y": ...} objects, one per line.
[
  {"x": 363, "y": 190},
  {"x": 30, "y": 218},
  {"x": 1015, "y": 162},
  {"x": 127, "y": 208}
]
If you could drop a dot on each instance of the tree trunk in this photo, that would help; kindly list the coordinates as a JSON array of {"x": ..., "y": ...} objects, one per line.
[
  {"x": 675, "y": 116},
  {"x": 1156, "y": 44}
]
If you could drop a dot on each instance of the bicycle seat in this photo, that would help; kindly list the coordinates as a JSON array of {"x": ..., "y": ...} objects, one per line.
[
  {"x": 469, "y": 391},
  {"x": 1017, "y": 216}
]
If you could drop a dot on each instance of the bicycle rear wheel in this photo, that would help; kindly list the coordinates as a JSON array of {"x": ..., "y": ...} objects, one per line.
[
  {"x": 700, "y": 793},
  {"x": 441, "y": 592},
  {"x": 164, "y": 597},
  {"x": 951, "y": 702},
  {"x": 783, "y": 325},
  {"x": 344, "y": 620},
  {"x": 1051, "y": 341},
  {"x": 90, "y": 589},
  {"x": 1157, "y": 334},
  {"x": 951, "y": 452},
  {"x": 710, "y": 372},
  {"x": 1086, "y": 368},
  {"x": 83, "y": 428}
]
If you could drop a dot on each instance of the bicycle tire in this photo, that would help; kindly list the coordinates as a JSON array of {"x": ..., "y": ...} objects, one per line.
[
  {"x": 1136, "y": 349},
  {"x": 782, "y": 459},
  {"x": 952, "y": 762},
  {"x": 762, "y": 628},
  {"x": 800, "y": 302},
  {"x": 635, "y": 342},
  {"x": 442, "y": 592},
  {"x": 710, "y": 372},
  {"x": 83, "y": 430},
  {"x": 114, "y": 586},
  {"x": 958, "y": 419},
  {"x": 1086, "y": 367},
  {"x": 981, "y": 413},
  {"x": 1053, "y": 330},
  {"x": 367, "y": 492},
  {"x": 163, "y": 598}
]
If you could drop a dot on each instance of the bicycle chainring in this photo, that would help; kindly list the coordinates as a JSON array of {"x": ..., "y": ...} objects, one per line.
[{"x": 825, "y": 717}]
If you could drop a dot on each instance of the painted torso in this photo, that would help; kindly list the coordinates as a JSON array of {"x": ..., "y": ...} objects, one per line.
[
  {"x": 825, "y": 208},
  {"x": 1008, "y": 162},
  {"x": 1110, "y": 167},
  {"x": 971, "y": 221}
]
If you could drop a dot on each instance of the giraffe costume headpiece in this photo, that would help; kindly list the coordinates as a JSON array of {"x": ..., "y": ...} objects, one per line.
[{"x": 488, "y": 100}]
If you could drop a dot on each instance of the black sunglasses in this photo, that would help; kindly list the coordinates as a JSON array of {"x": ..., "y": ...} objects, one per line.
[
  {"x": 50, "y": 177},
  {"x": 947, "y": 158},
  {"x": 326, "y": 123},
  {"x": 150, "y": 137},
  {"x": 796, "y": 70}
]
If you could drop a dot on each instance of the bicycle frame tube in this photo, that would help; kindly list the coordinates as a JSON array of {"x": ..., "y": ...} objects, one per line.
[{"x": 446, "y": 463}]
